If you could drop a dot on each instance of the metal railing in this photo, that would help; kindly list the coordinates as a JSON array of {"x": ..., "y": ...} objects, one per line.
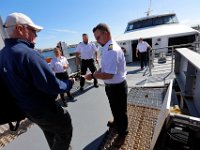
[
  {"x": 166, "y": 56},
  {"x": 154, "y": 54}
]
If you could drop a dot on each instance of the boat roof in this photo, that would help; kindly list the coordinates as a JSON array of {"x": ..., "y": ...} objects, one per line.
[{"x": 169, "y": 30}]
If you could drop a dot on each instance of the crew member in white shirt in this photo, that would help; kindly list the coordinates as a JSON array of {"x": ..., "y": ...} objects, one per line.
[
  {"x": 142, "y": 48},
  {"x": 113, "y": 73},
  {"x": 59, "y": 65},
  {"x": 86, "y": 51}
]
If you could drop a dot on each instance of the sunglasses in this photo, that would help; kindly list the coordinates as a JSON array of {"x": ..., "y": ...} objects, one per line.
[{"x": 31, "y": 29}]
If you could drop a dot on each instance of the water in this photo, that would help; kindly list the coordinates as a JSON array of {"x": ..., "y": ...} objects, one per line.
[{"x": 66, "y": 52}]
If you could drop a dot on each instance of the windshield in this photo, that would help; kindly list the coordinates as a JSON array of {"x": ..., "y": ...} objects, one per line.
[{"x": 170, "y": 19}]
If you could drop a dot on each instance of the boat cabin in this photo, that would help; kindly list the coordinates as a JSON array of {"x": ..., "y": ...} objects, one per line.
[{"x": 159, "y": 31}]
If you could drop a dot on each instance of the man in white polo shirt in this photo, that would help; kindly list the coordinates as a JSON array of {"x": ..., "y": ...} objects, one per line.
[
  {"x": 142, "y": 47},
  {"x": 86, "y": 51},
  {"x": 113, "y": 73}
]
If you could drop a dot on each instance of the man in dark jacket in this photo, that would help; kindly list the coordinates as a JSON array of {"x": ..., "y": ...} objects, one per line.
[{"x": 32, "y": 82}]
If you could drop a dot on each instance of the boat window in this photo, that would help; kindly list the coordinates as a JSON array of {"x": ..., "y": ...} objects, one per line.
[
  {"x": 157, "y": 21},
  {"x": 147, "y": 23},
  {"x": 168, "y": 19},
  {"x": 130, "y": 27},
  {"x": 175, "y": 19}
]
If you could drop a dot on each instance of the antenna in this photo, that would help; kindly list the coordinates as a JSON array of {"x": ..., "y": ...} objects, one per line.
[{"x": 149, "y": 10}]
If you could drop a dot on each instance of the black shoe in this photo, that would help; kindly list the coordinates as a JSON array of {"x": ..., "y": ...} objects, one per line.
[
  {"x": 71, "y": 98},
  {"x": 96, "y": 85},
  {"x": 111, "y": 124},
  {"x": 81, "y": 89},
  {"x": 65, "y": 104}
]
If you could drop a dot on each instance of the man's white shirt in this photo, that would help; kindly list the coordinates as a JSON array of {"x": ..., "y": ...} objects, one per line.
[
  {"x": 113, "y": 62},
  {"x": 86, "y": 50},
  {"x": 142, "y": 46}
]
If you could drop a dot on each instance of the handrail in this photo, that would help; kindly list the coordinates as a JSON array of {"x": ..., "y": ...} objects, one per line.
[
  {"x": 195, "y": 46},
  {"x": 191, "y": 56},
  {"x": 177, "y": 45},
  {"x": 151, "y": 58}
]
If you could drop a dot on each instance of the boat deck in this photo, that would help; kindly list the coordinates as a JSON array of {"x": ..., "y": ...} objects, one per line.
[{"x": 90, "y": 112}]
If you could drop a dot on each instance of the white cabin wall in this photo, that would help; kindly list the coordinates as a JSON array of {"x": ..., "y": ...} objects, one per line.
[
  {"x": 159, "y": 43},
  {"x": 128, "y": 53}
]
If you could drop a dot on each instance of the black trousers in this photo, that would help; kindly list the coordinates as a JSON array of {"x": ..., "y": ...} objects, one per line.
[
  {"x": 117, "y": 96},
  {"x": 143, "y": 59},
  {"x": 63, "y": 76},
  {"x": 56, "y": 125},
  {"x": 85, "y": 64}
]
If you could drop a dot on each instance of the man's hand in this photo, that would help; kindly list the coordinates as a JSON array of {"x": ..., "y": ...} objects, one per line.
[
  {"x": 65, "y": 66},
  {"x": 88, "y": 76}
]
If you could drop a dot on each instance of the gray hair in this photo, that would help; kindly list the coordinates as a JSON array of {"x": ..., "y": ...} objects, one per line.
[{"x": 10, "y": 31}]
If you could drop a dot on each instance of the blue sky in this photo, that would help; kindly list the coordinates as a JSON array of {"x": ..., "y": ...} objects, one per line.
[{"x": 66, "y": 20}]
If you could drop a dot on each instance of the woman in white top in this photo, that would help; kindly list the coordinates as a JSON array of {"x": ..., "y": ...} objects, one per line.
[{"x": 59, "y": 65}]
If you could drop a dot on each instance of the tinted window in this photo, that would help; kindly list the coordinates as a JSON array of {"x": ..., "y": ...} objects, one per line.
[{"x": 152, "y": 22}]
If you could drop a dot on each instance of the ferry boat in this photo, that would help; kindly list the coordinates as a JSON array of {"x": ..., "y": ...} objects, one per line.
[
  {"x": 160, "y": 31},
  {"x": 163, "y": 100}
]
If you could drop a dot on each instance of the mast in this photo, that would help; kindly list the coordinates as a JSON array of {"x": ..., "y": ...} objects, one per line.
[{"x": 149, "y": 10}]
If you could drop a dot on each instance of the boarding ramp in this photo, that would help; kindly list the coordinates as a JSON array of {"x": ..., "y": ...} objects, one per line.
[{"x": 181, "y": 126}]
